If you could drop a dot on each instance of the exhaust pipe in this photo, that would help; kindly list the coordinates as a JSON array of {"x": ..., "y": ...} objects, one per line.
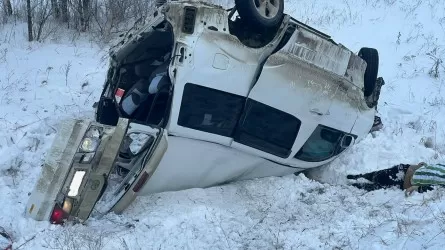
[{"x": 159, "y": 3}]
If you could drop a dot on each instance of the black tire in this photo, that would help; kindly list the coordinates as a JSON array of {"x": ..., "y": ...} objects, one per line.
[
  {"x": 250, "y": 13},
  {"x": 371, "y": 57}
]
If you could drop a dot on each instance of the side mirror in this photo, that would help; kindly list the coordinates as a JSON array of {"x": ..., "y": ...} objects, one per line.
[{"x": 347, "y": 141}]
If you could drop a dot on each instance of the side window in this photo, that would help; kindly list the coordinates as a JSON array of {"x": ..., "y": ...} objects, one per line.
[
  {"x": 268, "y": 129},
  {"x": 323, "y": 144},
  {"x": 209, "y": 110}
]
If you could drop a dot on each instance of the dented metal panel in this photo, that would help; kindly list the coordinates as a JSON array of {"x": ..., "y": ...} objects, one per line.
[
  {"x": 101, "y": 168},
  {"x": 55, "y": 169},
  {"x": 207, "y": 15},
  {"x": 320, "y": 52},
  {"x": 355, "y": 73}
]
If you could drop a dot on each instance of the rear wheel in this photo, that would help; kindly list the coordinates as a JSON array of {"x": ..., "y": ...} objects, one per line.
[
  {"x": 371, "y": 57},
  {"x": 261, "y": 14}
]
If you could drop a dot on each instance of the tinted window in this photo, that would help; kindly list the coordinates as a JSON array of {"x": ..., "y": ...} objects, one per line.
[
  {"x": 210, "y": 110},
  {"x": 323, "y": 144},
  {"x": 267, "y": 129}
]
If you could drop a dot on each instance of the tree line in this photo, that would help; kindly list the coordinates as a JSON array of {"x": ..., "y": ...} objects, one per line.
[
  {"x": 106, "y": 17},
  {"x": 103, "y": 18}
]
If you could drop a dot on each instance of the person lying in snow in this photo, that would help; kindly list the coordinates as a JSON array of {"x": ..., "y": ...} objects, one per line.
[{"x": 421, "y": 177}]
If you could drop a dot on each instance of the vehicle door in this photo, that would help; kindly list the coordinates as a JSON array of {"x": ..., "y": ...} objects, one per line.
[
  {"x": 291, "y": 97},
  {"x": 212, "y": 75},
  {"x": 348, "y": 100},
  {"x": 150, "y": 143}
]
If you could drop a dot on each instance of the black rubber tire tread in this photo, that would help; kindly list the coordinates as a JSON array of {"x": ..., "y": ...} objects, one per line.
[
  {"x": 371, "y": 57},
  {"x": 248, "y": 12}
]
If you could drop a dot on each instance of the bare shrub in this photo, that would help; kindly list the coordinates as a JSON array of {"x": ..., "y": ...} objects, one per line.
[
  {"x": 398, "y": 129},
  {"x": 7, "y": 7},
  {"x": 437, "y": 101},
  {"x": 113, "y": 17},
  {"x": 434, "y": 55},
  {"x": 72, "y": 238},
  {"x": 66, "y": 69},
  {"x": 14, "y": 170},
  {"x": 42, "y": 11},
  {"x": 3, "y": 55}
]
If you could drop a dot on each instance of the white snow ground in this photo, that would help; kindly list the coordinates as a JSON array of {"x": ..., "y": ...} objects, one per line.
[{"x": 43, "y": 83}]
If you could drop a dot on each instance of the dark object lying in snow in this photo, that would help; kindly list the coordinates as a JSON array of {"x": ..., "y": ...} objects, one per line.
[
  {"x": 377, "y": 124},
  {"x": 5, "y": 240},
  {"x": 386, "y": 178},
  {"x": 420, "y": 177}
]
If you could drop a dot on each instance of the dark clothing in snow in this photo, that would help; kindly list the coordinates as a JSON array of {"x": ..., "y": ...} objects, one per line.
[{"x": 386, "y": 178}]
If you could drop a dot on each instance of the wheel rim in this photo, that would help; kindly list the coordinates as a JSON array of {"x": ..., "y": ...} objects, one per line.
[{"x": 267, "y": 8}]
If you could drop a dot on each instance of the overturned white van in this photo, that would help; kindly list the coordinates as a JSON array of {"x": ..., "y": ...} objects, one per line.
[{"x": 200, "y": 97}]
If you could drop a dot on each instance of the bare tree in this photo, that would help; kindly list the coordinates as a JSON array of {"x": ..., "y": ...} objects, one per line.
[
  {"x": 28, "y": 9},
  {"x": 82, "y": 14},
  {"x": 85, "y": 15},
  {"x": 55, "y": 9},
  {"x": 104, "y": 18},
  {"x": 8, "y": 7},
  {"x": 111, "y": 17},
  {"x": 65, "y": 12},
  {"x": 42, "y": 12},
  {"x": 117, "y": 10}
]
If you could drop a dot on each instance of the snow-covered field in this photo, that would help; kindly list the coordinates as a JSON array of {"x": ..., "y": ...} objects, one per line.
[{"x": 43, "y": 83}]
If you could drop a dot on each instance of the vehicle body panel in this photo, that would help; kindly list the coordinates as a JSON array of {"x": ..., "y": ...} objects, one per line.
[
  {"x": 97, "y": 178},
  {"x": 148, "y": 169},
  {"x": 190, "y": 163},
  {"x": 214, "y": 59},
  {"x": 55, "y": 169},
  {"x": 53, "y": 186}
]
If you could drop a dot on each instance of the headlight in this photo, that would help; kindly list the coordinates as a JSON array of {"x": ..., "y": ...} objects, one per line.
[
  {"x": 89, "y": 145},
  {"x": 94, "y": 132}
]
